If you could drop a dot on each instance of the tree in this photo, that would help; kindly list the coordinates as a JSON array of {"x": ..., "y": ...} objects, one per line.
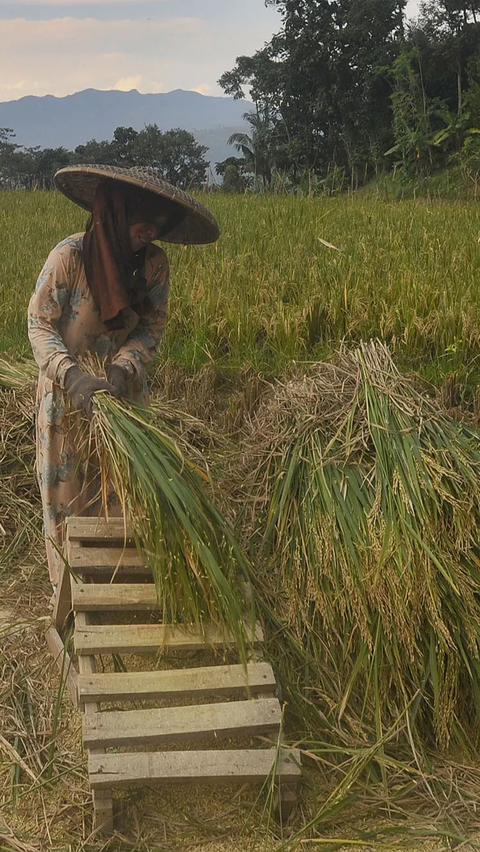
[
  {"x": 233, "y": 180},
  {"x": 257, "y": 149},
  {"x": 184, "y": 162},
  {"x": 96, "y": 152},
  {"x": 174, "y": 153},
  {"x": 323, "y": 82},
  {"x": 123, "y": 145},
  {"x": 472, "y": 97},
  {"x": 43, "y": 165},
  {"x": 412, "y": 115},
  {"x": 148, "y": 148},
  {"x": 8, "y": 153},
  {"x": 235, "y": 172},
  {"x": 448, "y": 34}
]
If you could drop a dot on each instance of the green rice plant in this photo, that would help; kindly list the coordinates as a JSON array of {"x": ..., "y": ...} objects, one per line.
[
  {"x": 271, "y": 291},
  {"x": 365, "y": 517}
]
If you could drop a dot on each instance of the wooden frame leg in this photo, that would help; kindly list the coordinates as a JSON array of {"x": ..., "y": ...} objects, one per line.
[
  {"x": 64, "y": 663},
  {"x": 63, "y": 600},
  {"x": 102, "y": 799},
  {"x": 103, "y": 811},
  {"x": 286, "y": 796}
]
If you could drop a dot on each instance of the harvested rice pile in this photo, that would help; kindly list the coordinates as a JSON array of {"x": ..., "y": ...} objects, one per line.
[{"x": 363, "y": 515}]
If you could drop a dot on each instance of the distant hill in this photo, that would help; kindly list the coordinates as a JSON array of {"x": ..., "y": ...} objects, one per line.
[{"x": 51, "y": 122}]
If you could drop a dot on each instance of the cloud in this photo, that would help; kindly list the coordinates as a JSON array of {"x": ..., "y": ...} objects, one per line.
[
  {"x": 65, "y": 54},
  {"x": 412, "y": 8},
  {"x": 127, "y": 83},
  {"x": 86, "y": 35},
  {"x": 204, "y": 89},
  {"x": 151, "y": 87},
  {"x": 23, "y": 87},
  {"x": 74, "y": 54},
  {"x": 10, "y": 87}
]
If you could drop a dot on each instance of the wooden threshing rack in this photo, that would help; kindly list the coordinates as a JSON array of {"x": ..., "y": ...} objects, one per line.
[{"x": 111, "y": 592}]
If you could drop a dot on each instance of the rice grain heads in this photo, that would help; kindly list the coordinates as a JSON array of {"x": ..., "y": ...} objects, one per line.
[{"x": 364, "y": 515}]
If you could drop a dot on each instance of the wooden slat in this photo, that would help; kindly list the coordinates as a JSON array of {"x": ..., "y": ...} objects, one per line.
[
  {"x": 122, "y": 576},
  {"x": 148, "y": 638},
  {"x": 156, "y": 726},
  {"x": 97, "y": 529},
  {"x": 109, "y": 597},
  {"x": 105, "y": 557},
  {"x": 102, "y": 799},
  {"x": 246, "y": 765},
  {"x": 208, "y": 680},
  {"x": 64, "y": 663},
  {"x": 106, "y": 575}
]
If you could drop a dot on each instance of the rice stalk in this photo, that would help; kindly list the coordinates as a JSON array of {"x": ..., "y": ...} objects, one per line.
[
  {"x": 18, "y": 375},
  {"x": 347, "y": 677}
]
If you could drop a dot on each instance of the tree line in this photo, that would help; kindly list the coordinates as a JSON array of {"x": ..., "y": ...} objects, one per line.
[
  {"x": 175, "y": 153},
  {"x": 348, "y": 89}
]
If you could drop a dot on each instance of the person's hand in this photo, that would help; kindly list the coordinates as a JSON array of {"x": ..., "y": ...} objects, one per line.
[
  {"x": 117, "y": 377},
  {"x": 81, "y": 387}
]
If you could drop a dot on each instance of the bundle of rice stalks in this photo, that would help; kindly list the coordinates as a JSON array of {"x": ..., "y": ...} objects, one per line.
[
  {"x": 365, "y": 517},
  {"x": 200, "y": 570}
]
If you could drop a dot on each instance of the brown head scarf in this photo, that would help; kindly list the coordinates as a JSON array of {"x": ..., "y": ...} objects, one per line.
[{"x": 111, "y": 266}]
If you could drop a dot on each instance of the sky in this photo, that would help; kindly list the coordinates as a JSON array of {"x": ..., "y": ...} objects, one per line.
[{"x": 59, "y": 47}]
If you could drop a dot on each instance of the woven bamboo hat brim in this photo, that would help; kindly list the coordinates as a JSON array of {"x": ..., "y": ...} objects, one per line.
[{"x": 79, "y": 183}]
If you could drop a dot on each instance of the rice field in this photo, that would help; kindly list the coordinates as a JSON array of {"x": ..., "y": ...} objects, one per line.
[
  {"x": 289, "y": 280},
  {"x": 271, "y": 291}
]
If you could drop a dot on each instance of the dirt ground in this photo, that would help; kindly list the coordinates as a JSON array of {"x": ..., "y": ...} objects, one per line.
[{"x": 44, "y": 809}]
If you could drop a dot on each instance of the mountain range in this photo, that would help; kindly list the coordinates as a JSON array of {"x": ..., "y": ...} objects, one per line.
[{"x": 51, "y": 122}]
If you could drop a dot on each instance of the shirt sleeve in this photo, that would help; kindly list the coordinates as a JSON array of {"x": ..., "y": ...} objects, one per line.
[
  {"x": 45, "y": 310},
  {"x": 140, "y": 346}
]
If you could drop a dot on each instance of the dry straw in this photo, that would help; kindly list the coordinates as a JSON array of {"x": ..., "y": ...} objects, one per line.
[{"x": 20, "y": 512}]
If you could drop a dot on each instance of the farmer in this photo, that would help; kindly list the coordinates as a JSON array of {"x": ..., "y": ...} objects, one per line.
[{"x": 101, "y": 293}]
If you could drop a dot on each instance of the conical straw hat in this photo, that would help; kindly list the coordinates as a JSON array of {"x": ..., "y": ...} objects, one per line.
[{"x": 79, "y": 183}]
